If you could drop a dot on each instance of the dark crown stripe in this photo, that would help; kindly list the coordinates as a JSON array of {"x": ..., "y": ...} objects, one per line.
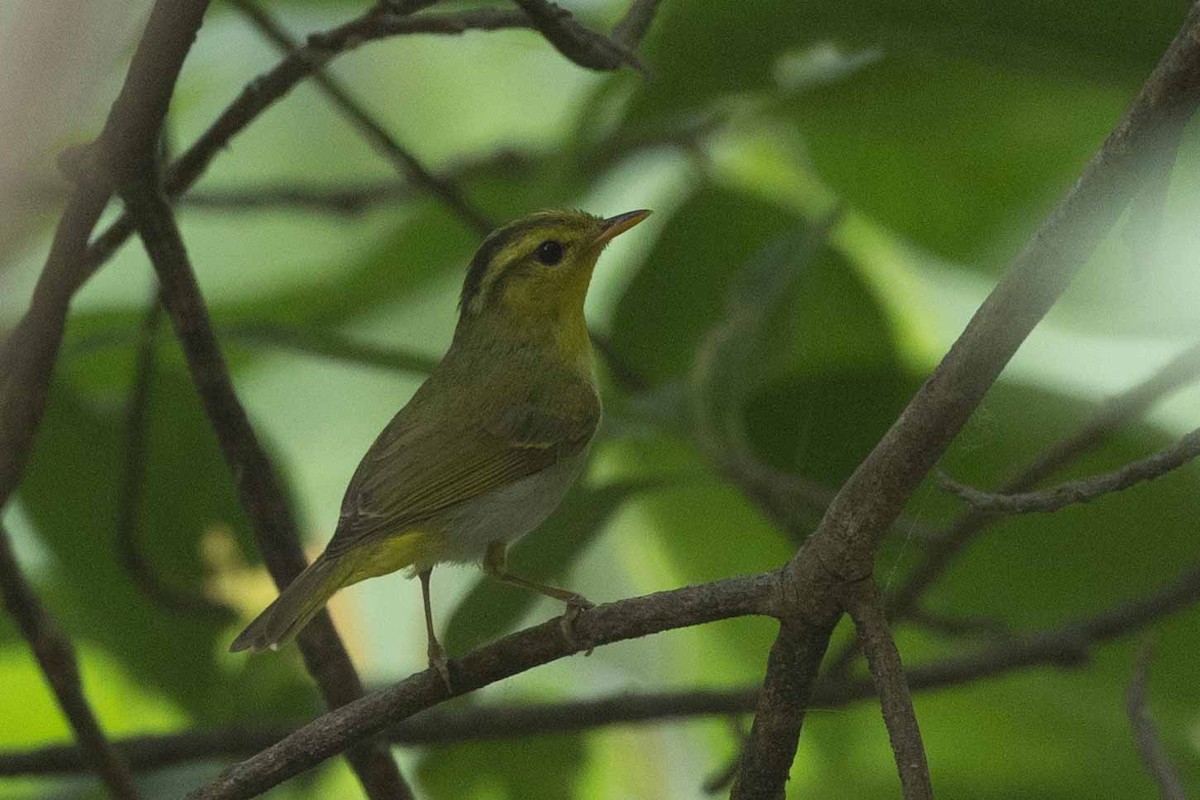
[{"x": 487, "y": 253}]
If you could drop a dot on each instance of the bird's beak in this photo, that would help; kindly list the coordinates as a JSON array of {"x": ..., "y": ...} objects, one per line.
[{"x": 614, "y": 226}]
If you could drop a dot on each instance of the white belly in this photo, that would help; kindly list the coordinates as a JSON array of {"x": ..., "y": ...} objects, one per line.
[{"x": 507, "y": 514}]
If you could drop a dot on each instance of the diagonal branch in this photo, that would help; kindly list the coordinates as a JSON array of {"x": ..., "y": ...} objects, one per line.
[
  {"x": 579, "y": 44},
  {"x": 516, "y": 653},
  {"x": 843, "y": 547},
  {"x": 257, "y": 486},
  {"x": 1145, "y": 738},
  {"x": 1080, "y": 491},
  {"x": 883, "y": 659},
  {"x": 57, "y": 659},
  {"x": 403, "y": 160}
]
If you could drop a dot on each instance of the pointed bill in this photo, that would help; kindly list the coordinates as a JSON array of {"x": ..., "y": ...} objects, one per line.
[{"x": 614, "y": 226}]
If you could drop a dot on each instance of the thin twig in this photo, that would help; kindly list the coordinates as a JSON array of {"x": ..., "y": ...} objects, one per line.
[
  {"x": 843, "y": 547},
  {"x": 883, "y": 659},
  {"x": 57, "y": 659},
  {"x": 632, "y": 27},
  {"x": 257, "y": 485},
  {"x": 1145, "y": 737},
  {"x": 400, "y": 157},
  {"x": 1081, "y": 491}
]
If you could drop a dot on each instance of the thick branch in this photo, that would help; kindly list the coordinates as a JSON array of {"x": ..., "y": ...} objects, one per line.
[
  {"x": 404, "y": 161},
  {"x": 626, "y": 619},
  {"x": 883, "y": 659},
  {"x": 1080, "y": 491},
  {"x": 257, "y": 486},
  {"x": 57, "y": 659},
  {"x": 579, "y": 44},
  {"x": 1145, "y": 737},
  {"x": 843, "y": 547}
]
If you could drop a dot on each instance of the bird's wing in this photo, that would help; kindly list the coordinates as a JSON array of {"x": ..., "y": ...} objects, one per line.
[{"x": 410, "y": 476}]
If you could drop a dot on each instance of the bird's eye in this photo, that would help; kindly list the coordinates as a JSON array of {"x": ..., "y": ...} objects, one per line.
[{"x": 549, "y": 252}]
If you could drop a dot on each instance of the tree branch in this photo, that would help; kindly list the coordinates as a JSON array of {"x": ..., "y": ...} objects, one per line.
[
  {"x": 843, "y": 547},
  {"x": 256, "y": 483},
  {"x": 576, "y": 42},
  {"x": 1145, "y": 738},
  {"x": 1080, "y": 491},
  {"x": 403, "y": 160},
  {"x": 57, "y": 659},
  {"x": 866, "y": 608},
  {"x": 1065, "y": 646},
  {"x": 512, "y": 655}
]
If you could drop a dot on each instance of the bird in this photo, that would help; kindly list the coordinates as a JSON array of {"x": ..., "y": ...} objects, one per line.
[{"x": 488, "y": 445}]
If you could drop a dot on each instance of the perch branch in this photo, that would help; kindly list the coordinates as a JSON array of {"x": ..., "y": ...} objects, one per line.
[
  {"x": 257, "y": 486},
  {"x": 843, "y": 547},
  {"x": 56, "y": 657},
  {"x": 1080, "y": 491},
  {"x": 516, "y": 653},
  {"x": 1065, "y": 646}
]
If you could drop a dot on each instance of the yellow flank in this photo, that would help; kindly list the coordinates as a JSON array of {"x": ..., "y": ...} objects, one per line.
[{"x": 394, "y": 553}]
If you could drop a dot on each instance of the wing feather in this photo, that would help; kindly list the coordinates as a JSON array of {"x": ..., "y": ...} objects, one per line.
[{"x": 414, "y": 473}]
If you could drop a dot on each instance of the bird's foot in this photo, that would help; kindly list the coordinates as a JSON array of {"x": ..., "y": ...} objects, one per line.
[
  {"x": 437, "y": 660},
  {"x": 576, "y": 604}
]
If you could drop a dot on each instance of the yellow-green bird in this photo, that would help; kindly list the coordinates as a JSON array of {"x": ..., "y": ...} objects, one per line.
[{"x": 489, "y": 444}]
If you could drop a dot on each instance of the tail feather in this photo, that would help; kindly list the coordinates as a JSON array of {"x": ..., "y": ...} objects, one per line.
[{"x": 300, "y": 602}]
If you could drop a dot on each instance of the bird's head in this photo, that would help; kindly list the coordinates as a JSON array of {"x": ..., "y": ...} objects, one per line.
[{"x": 537, "y": 269}]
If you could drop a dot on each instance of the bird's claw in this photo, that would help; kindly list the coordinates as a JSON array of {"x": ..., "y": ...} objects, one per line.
[{"x": 575, "y": 606}]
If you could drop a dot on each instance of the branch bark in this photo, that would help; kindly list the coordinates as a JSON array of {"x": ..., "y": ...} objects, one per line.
[
  {"x": 883, "y": 659},
  {"x": 512, "y": 655},
  {"x": 843, "y": 547},
  {"x": 56, "y": 657},
  {"x": 257, "y": 486}
]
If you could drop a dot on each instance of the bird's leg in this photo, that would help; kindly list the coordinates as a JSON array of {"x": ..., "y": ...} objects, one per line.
[
  {"x": 495, "y": 564},
  {"x": 437, "y": 656}
]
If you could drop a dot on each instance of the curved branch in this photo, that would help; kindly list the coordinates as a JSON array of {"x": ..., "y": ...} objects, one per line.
[{"x": 1080, "y": 491}]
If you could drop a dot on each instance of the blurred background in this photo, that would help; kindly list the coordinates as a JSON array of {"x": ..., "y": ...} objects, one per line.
[{"x": 944, "y": 132}]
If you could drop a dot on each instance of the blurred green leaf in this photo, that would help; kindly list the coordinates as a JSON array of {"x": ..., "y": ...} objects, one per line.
[
  {"x": 703, "y": 246},
  {"x": 492, "y": 608},
  {"x": 537, "y": 768}
]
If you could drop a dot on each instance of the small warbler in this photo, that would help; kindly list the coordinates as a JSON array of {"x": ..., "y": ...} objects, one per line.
[{"x": 489, "y": 444}]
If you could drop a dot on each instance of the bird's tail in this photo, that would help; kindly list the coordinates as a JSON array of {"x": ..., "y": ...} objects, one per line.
[{"x": 300, "y": 602}]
